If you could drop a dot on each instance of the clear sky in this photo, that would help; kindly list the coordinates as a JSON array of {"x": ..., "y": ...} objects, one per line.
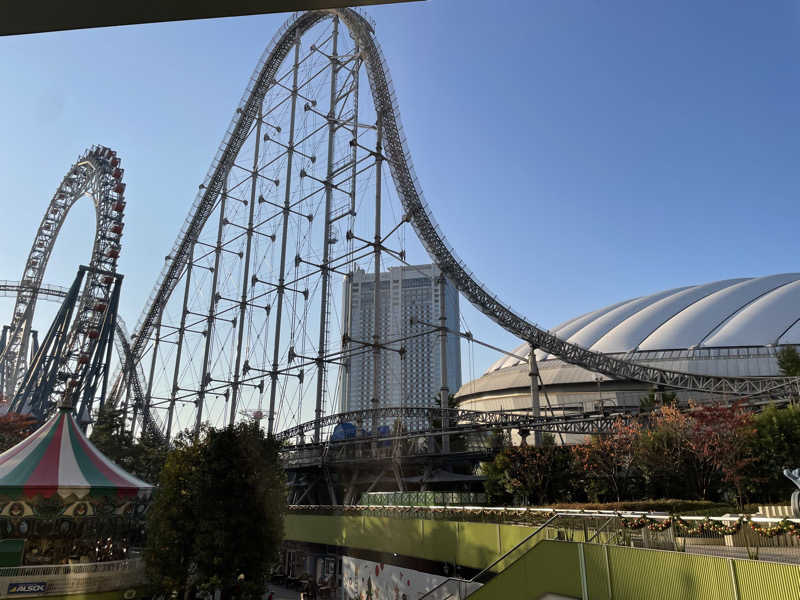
[{"x": 576, "y": 153}]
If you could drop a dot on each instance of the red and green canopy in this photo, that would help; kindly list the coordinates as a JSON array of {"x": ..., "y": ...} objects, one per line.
[{"x": 59, "y": 459}]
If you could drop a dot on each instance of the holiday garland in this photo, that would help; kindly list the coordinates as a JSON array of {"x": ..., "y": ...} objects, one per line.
[
  {"x": 683, "y": 527},
  {"x": 783, "y": 527}
]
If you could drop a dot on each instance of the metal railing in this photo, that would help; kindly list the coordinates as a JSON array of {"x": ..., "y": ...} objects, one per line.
[
  {"x": 514, "y": 549},
  {"x": 756, "y": 537},
  {"x": 74, "y": 569},
  {"x": 451, "y": 588}
]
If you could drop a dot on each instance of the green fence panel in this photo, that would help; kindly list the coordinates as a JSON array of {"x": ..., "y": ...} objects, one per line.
[
  {"x": 549, "y": 567},
  {"x": 319, "y": 529},
  {"x": 478, "y": 544},
  {"x": 759, "y": 580},
  {"x": 661, "y": 575},
  {"x": 597, "y": 576},
  {"x": 541, "y": 566},
  {"x": 441, "y": 540},
  {"x": 469, "y": 544}
]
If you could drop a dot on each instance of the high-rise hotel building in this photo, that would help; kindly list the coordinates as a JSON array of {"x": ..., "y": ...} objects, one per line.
[{"x": 411, "y": 378}]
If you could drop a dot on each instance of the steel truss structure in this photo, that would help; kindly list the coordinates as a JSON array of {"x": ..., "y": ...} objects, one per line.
[
  {"x": 54, "y": 293},
  {"x": 339, "y": 471},
  {"x": 302, "y": 154},
  {"x": 97, "y": 174},
  {"x": 48, "y": 372}
]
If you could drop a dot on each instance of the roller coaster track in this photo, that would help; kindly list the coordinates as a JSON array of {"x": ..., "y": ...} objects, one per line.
[
  {"x": 464, "y": 420},
  {"x": 97, "y": 173},
  {"x": 417, "y": 212},
  {"x": 470, "y": 421}
]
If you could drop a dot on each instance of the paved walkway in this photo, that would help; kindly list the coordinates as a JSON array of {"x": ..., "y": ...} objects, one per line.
[{"x": 281, "y": 593}]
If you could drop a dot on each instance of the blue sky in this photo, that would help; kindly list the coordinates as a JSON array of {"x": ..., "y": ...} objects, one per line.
[{"x": 575, "y": 153}]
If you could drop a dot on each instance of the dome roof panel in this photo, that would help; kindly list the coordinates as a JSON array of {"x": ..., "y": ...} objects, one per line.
[
  {"x": 627, "y": 336},
  {"x": 597, "y": 328},
  {"x": 566, "y": 329},
  {"x": 763, "y": 321},
  {"x": 736, "y": 312},
  {"x": 689, "y": 327},
  {"x": 509, "y": 361},
  {"x": 792, "y": 335}
]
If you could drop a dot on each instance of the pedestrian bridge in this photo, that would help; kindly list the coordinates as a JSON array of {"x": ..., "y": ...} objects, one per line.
[{"x": 519, "y": 553}]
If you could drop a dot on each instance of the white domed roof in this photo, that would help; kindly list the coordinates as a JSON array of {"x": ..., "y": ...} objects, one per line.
[{"x": 756, "y": 311}]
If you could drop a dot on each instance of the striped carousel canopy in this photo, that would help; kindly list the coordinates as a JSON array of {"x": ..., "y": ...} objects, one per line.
[{"x": 58, "y": 458}]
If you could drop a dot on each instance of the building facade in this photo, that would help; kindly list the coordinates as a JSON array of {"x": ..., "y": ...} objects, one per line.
[{"x": 409, "y": 365}]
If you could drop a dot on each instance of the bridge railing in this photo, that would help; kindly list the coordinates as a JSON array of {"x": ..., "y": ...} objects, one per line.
[
  {"x": 82, "y": 579},
  {"x": 755, "y": 537}
]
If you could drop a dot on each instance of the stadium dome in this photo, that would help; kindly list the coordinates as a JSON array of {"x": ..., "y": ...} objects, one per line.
[{"x": 729, "y": 328}]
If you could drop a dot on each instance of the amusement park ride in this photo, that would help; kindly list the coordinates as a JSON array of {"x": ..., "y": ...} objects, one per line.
[{"x": 244, "y": 318}]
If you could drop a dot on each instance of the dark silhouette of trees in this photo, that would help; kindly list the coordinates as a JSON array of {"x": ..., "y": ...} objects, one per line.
[{"x": 217, "y": 519}]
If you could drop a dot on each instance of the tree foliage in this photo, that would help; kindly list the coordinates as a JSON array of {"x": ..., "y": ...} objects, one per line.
[
  {"x": 531, "y": 474},
  {"x": 608, "y": 461},
  {"x": 775, "y": 447},
  {"x": 707, "y": 453},
  {"x": 14, "y": 428},
  {"x": 143, "y": 457},
  {"x": 217, "y": 520},
  {"x": 789, "y": 361},
  {"x": 723, "y": 438},
  {"x": 665, "y": 457}
]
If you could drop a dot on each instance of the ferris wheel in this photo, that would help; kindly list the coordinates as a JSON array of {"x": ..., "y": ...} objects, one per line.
[{"x": 97, "y": 174}]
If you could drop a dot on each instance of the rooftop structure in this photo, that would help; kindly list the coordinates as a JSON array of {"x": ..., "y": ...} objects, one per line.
[{"x": 729, "y": 328}]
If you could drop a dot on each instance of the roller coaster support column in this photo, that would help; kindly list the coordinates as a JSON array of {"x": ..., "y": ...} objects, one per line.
[
  {"x": 41, "y": 377},
  {"x": 273, "y": 388},
  {"x": 325, "y": 275},
  {"x": 376, "y": 321},
  {"x": 149, "y": 396},
  {"x": 181, "y": 330},
  {"x": 246, "y": 276},
  {"x": 205, "y": 374},
  {"x": 3, "y": 342},
  {"x": 444, "y": 392},
  {"x": 533, "y": 372},
  {"x": 107, "y": 334}
]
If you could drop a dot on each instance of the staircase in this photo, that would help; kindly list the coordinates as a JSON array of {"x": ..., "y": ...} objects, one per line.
[{"x": 454, "y": 588}]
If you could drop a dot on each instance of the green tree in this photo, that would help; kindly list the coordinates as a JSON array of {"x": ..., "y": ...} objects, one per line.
[
  {"x": 173, "y": 518},
  {"x": 775, "y": 447},
  {"x": 722, "y": 437},
  {"x": 608, "y": 462},
  {"x": 664, "y": 455},
  {"x": 533, "y": 475},
  {"x": 789, "y": 361},
  {"x": 495, "y": 479},
  {"x": 217, "y": 521},
  {"x": 143, "y": 457},
  {"x": 109, "y": 436}
]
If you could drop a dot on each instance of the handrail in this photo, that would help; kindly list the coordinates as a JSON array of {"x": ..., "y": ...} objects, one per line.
[
  {"x": 99, "y": 567},
  {"x": 599, "y": 529},
  {"x": 474, "y": 579},
  {"x": 516, "y": 512},
  {"x": 442, "y": 584},
  {"x": 537, "y": 530}
]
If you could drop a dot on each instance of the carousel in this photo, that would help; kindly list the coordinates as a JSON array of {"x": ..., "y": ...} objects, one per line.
[{"x": 63, "y": 502}]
